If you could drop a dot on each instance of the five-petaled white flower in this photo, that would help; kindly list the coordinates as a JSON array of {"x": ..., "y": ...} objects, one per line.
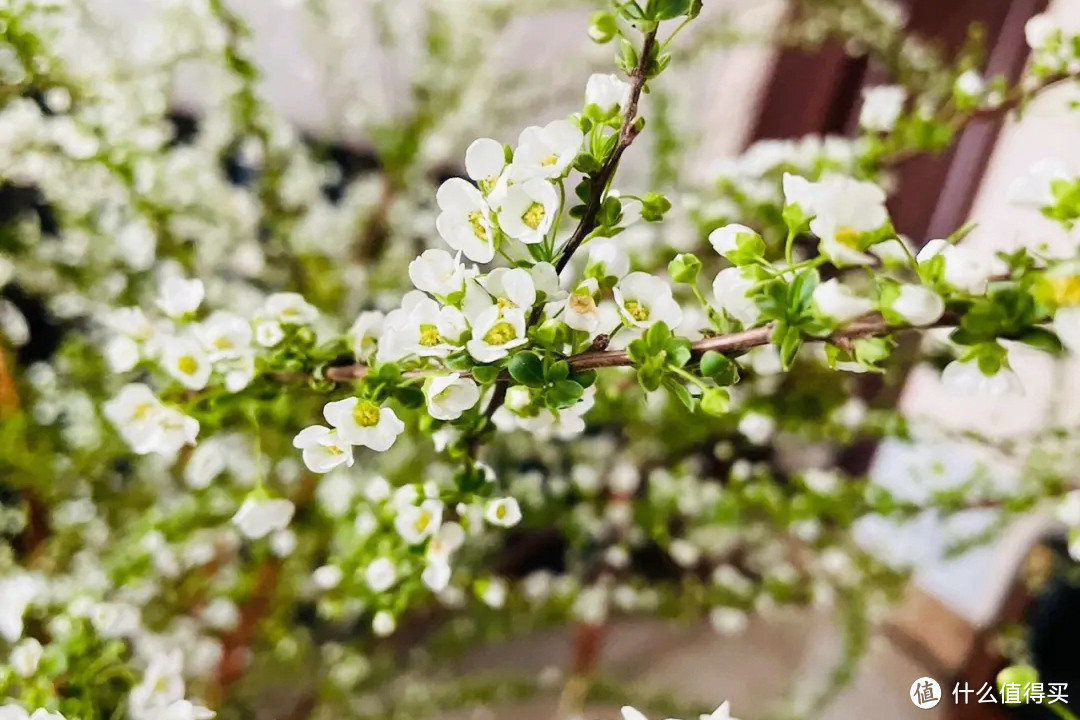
[
  {"x": 420, "y": 327},
  {"x": 449, "y": 396},
  {"x": 546, "y": 152},
  {"x": 257, "y": 517},
  {"x": 380, "y": 575},
  {"x": 495, "y": 332},
  {"x": 607, "y": 92},
  {"x": 845, "y": 210},
  {"x": 645, "y": 299},
  {"x": 918, "y": 305},
  {"x": 179, "y": 296},
  {"x": 529, "y": 210},
  {"x": 415, "y": 523},
  {"x": 485, "y": 160},
  {"x": 290, "y": 308},
  {"x": 882, "y": 107},
  {"x": 504, "y": 512},
  {"x": 361, "y": 421},
  {"x": 437, "y": 272},
  {"x": 581, "y": 311},
  {"x": 465, "y": 220},
  {"x": 185, "y": 360},
  {"x": 323, "y": 449},
  {"x": 730, "y": 290},
  {"x": 966, "y": 269}
]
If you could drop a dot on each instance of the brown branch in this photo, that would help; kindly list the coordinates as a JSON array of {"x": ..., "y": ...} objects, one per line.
[
  {"x": 868, "y": 326},
  {"x": 9, "y": 394}
]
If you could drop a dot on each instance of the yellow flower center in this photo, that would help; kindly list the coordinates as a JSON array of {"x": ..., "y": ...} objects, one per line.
[
  {"x": 187, "y": 364},
  {"x": 422, "y": 521},
  {"x": 848, "y": 237},
  {"x": 500, "y": 512},
  {"x": 142, "y": 410},
  {"x": 334, "y": 450},
  {"x": 429, "y": 335},
  {"x": 582, "y": 303},
  {"x": 533, "y": 215},
  {"x": 476, "y": 219},
  {"x": 487, "y": 185},
  {"x": 636, "y": 310},
  {"x": 500, "y": 334},
  {"x": 505, "y": 303},
  {"x": 1065, "y": 289},
  {"x": 366, "y": 413},
  {"x": 223, "y": 343},
  {"x": 550, "y": 160}
]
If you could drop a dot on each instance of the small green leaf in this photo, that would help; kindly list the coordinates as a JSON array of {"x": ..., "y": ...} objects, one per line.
[
  {"x": 716, "y": 402},
  {"x": 718, "y": 368},
  {"x": 558, "y": 371},
  {"x": 527, "y": 368},
  {"x": 410, "y": 397},
  {"x": 486, "y": 374},
  {"x": 563, "y": 394}
]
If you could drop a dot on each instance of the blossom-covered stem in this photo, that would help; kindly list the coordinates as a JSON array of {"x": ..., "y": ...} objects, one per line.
[
  {"x": 869, "y": 326},
  {"x": 627, "y": 133}
]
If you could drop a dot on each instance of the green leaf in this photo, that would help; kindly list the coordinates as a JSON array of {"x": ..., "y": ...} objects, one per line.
[
  {"x": 558, "y": 371},
  {"x": 486, "y": 374},
  {"x": 1042, "y": 339},
  {"x": 718, "y": 368},
  {"x": 716, "y": 402},
  {"x": 527, "y": 368},
  {"x": 656, "y": 336},
  {"x": 563, "y": 394},
  {"x": 410, "y": 397},
  {"x": 679, "y": 390},
  {"x": 668, "y": 9},
  {"x": 585, "y": 378},
  {"x": 678, "y": 351},
  {"x": 789, "y": 347}
]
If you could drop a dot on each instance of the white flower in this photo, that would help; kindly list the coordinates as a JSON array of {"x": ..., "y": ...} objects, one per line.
[
  {"x": 16, "y": 594},
  {"x": 581, "y": 312},
  {"x": 757, "y": 427},
  {"x": 838, "y": 303},
  {"x": 224, "y": 336},
  {"x": 644, "y": 299},
  {"x": 258, "y": 517},
  {"x": 184, "y": 710},
  {"x": 383, "y": 623},
  {"x": 147, "y": 425},
  {"x": 966, "y": 269},
  {"x": 25, "y": 657},
  {"x": 185, "y": 360},
  {"x": 365, "y": 330},
  {"x": 493, "y": 593},
  {"x": 179, "y": 296},
  {"x": 606, "y": 259},
  {"x": 730, "y": 290},
  {"x": 845, "y": 209},
  {"x": 1033, "y": 189},
  {"x": 446, "y": 541},
  {"x": 436, "y": 576},
  {"x": 1067, "y": 327},
  {"x": 529, "y": 210},
  {"x": 122, "y": 353},
  {"x": 545, "y": 152},
  {"x": 629, "y": 713},
  {"x": 465, "y": 220},
  {"x": 506, "y": 287},
  {"x": 485, "y": 160},
  {"x": 727, "y": 621},
  {"x": 971, "y": 84},
  {"x": 362, "y": 422},
  {"x": 115, "y": 620},
  {"x": 448, "y": 396},
  {"x": 918, "y": 305},
  {"x": 496, "y": 332},
  {"x": 721, "y": 713},
  {"x": 323, "y": 449},
  {"x": 421, "y": 327},
  {"x": 290, "y": 309},
  {"x": 221, "y": 614},
  {"x": 725, "y": 239},
  {"x": 268, "y": 333},
  {"x": 607, "y": 92},
  {"x": 965, "y": 378},
  {"x": 162, "y": 684},
  {"x": 1040, "y": 30},
  {"x": 882, "y": 107},
  {"x": 380, "y": 575},
  {"x": 503, "y": 512},
  {"x": 415, "y": 523},
  {"x": 437, "y": 272},
  {"x": 327, "y": 577}
]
